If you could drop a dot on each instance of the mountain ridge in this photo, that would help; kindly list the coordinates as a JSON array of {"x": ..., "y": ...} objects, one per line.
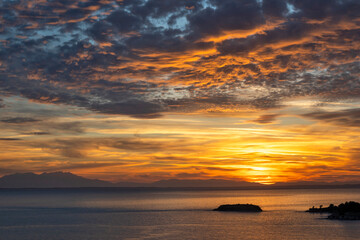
[
  {"x": 70, "y": 180},
  {"x": 49, "y": 180}
]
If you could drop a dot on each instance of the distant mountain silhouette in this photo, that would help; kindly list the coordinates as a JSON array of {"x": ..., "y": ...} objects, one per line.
[
  {"x": 49, "y": 180},
  {"x": 69, "y": 180}
]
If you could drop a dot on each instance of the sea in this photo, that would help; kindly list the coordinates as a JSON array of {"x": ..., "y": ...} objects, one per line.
[{"x": 179, "y": 214}]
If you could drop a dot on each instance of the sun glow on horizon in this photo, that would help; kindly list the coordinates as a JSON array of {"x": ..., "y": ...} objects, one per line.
[
  {"x": 185, "y": 147},
  {"x": 128, "y": 91}
]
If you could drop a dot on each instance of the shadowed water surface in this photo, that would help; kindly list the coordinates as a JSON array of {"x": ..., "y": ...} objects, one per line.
[{"x": 162, "y": 214}]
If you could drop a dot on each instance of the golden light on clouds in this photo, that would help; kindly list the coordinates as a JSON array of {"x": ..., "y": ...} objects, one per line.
[
  {"x": 124, "y": 91},
  {"x": 200, "y": 146}
]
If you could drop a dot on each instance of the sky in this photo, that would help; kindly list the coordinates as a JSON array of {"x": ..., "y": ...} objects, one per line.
[{"x": 262, "y": 91}]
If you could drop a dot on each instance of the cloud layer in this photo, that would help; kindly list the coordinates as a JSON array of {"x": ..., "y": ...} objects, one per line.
[{"x": 146, "y": 57}]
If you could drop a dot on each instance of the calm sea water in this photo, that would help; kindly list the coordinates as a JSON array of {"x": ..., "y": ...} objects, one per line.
[{"x": 150, "y": 214}]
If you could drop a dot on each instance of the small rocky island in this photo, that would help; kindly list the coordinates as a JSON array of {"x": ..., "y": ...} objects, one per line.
[
  {"x": 344, "y": 211},
  {"x": 239, "y": 208}
]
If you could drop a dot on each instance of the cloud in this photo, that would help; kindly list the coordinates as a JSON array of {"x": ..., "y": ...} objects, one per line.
[
  {"x": 266, "y": 119},
  {"x": 83, "y": 147},
  {"x": 10, "y": 139},
  {"x": 346, "y": 118},
  {"x": 48, "y": 125},
  {"x": 135, "y": 108},
  {"x": 144, "y": 58},
  {"x": 322, "y": 9},
  {"x": 275, "y": 8},
  {"x": 19, "y": 120},
  {"x": 66, "y": 166},
  {"x": 226, "y": 15},
  {"x": 124, "y": 21},
  {"x": 288, "y": 31},
  {"x": 37, "y": 133}
]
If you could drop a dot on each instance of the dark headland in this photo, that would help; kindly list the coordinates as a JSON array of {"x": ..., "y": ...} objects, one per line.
[
  {"x": 239, "y": 208},
  {"x": 344, "y": 211}
]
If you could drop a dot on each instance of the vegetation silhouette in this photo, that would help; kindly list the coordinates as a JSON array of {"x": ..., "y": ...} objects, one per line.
[{"x": 344, "y": 211}]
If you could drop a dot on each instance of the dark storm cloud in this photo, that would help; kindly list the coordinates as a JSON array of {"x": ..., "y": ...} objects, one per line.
[{"x": 144, "y": 57}]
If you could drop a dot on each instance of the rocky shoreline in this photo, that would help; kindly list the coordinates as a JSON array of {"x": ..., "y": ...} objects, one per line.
[{"x": 344, "y": 211}]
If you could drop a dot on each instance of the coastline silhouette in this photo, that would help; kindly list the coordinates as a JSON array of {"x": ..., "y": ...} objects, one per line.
[{"x": 344, "y": 211}]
